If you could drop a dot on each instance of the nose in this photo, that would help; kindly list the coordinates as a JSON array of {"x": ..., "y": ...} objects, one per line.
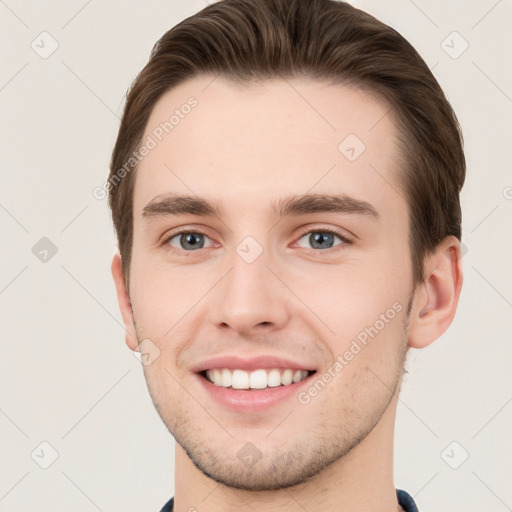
[{"x": 251, "y": 299}]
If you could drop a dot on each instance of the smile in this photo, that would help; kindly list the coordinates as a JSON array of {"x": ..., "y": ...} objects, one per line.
[{"x": 257, "y": 379}]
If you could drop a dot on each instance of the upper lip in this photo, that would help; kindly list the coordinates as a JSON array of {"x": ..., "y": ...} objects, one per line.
[{"x": 249, "y": 363}]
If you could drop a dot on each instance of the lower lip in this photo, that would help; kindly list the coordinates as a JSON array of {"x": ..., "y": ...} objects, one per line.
[{"x": 252, "y": 400}]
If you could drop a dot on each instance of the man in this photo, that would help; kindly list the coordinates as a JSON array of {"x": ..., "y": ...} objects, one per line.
[{"x": 285, "y": 189}]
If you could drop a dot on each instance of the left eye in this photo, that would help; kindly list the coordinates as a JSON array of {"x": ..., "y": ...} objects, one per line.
[{"x": 321, "y": 239}]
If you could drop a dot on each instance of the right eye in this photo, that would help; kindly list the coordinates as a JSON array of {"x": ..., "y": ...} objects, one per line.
[{"x": 187, "y": 240}]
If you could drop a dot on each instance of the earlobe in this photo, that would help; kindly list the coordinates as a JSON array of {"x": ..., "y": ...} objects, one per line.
[
  {"x": 123, "y": 299},
  {"x": 437, "y": 297}
]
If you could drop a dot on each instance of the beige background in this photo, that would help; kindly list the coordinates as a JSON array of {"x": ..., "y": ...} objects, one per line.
[{"x": 66, "y": 376}]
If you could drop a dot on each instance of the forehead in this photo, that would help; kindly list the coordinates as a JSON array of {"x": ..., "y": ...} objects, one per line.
[{"x": 251, "y": 144}]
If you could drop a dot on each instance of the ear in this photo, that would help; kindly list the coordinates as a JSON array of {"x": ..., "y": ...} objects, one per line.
[
  {"x": 436, "y": 299},
  {"x": 124, "y": 302}
]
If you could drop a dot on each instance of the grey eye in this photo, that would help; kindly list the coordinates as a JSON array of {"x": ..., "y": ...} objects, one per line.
[
  {"x": 320, "y": 239},
  {"x": 189, "y": 241}
]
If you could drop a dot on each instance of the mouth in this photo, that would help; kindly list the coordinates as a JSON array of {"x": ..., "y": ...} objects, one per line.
[
  {"x": 262, "y": 378},
  {"x": 252, "y": 384}
]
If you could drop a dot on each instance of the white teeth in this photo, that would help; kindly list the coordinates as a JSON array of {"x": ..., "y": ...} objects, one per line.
[
  {"x": 287, "y": 377},
  {"x": 273, "y": 378},
  {"x": 226, "y": 378},
  {"x": 297, "y": 376},
  {"x": 240, "y": 380},
  {"x": 257, "y": 379}
]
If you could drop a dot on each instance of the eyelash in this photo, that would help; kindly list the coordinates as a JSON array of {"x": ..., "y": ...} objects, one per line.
[{"x": 344, "y": 239}]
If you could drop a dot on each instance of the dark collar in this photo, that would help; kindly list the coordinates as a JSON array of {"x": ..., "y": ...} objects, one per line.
[{"x": 405, "y": 500}]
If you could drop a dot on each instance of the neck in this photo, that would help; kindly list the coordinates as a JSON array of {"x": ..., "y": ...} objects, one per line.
[{"x": 361, "y": 480}]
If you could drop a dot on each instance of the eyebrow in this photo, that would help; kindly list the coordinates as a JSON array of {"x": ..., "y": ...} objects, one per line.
[{"x": 174, "y": 204}]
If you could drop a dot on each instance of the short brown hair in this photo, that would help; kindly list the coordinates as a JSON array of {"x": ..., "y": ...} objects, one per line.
[{"x": 254, "y": 40}]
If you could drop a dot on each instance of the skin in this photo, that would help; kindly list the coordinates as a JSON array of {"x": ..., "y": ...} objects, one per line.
[{"x": 246, "y": 147}]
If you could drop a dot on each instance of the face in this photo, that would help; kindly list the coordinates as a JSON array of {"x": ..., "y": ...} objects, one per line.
[{"x": 270, "y": 252}]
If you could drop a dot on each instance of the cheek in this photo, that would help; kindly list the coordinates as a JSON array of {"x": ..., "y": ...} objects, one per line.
[
  {"x": 160, "y": 293},
  {"x": 367, "y": 357},
  {"x": 170, "y": 304},
  {"x": 156, "y": 303},
  {"x": 348, "y": 297}
]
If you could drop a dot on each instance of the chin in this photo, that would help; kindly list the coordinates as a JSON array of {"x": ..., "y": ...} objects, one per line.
[
  {"x": 267, "y": 474},
  {"x": 272, "y": 468}
]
